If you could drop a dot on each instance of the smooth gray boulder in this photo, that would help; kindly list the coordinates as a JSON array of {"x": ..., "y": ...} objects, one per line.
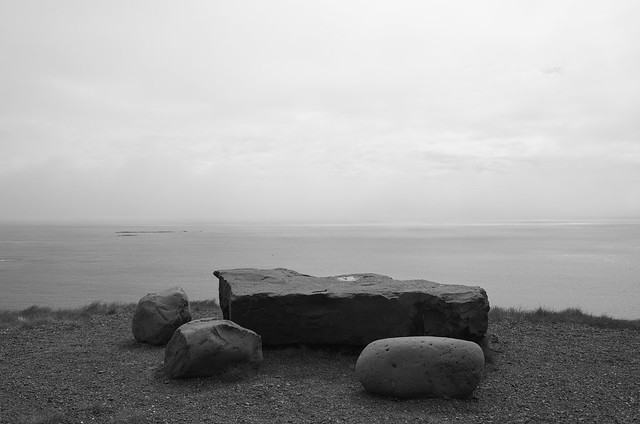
[
  {"x": 209, "y": 346},
  {"x": 407, "y": 367},
  {"x": 286, "y": 307},
  {"x": 158, "y": 315}
]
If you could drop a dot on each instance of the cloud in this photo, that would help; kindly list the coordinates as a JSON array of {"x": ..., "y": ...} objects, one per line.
[
  {"x": 554, "y": 70},
  {"x": 405, "y": 110}
]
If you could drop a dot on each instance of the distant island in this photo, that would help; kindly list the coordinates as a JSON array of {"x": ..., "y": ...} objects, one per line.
[{"x": 137, "y": 233}]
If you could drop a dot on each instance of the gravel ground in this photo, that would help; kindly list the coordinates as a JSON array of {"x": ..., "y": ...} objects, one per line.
[{"x": 93, "y": 371}]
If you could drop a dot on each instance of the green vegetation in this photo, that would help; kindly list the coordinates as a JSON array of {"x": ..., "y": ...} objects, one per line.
[
  {"x": 201, "y": 305},
  {"x": 35, "y": 316},
  {"x": 569, "y": 315}
]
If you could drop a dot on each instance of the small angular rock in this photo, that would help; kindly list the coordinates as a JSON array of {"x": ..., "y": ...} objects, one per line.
[
  {"x": 158, "y": 315},
  {"x": 407, "y": 367},
  {"x": 209, "y": 346}
]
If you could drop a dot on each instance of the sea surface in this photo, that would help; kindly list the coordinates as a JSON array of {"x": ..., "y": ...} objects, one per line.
[{"x": 591, "y": 265}]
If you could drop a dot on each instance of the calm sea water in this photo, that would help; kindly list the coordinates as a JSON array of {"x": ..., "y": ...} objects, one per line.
[{"x": 594, "y": 266}]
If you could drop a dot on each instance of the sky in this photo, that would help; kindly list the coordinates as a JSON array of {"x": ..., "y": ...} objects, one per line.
[{"x": 332, "y": 111}]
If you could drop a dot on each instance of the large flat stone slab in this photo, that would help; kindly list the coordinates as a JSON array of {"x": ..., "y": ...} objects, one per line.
[{"x": 286, "y": 307}]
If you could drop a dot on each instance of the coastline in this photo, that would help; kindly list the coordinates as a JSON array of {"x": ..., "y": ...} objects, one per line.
[{"x": 559, "y": 265}]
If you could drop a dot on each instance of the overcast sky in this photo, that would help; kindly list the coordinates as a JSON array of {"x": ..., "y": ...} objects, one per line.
[{"x": 345, "y": 111}]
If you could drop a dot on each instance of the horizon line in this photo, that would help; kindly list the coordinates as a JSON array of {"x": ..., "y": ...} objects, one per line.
[{"x": 165, "y": 222}]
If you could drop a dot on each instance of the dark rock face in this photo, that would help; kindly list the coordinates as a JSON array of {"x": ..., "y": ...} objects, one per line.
[
  {"x": 285, "y": 307},
  {"x": 158, "y": 315},
  {"x": 208, "y": 346},
  {"x": 422, "y": 366}
]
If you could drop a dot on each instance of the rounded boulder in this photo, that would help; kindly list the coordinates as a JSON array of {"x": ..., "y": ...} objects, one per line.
[
  {"x": 423, "y": 366},
  {"x": 210, "y": 346},
  {"x": 158, "y": 315}
]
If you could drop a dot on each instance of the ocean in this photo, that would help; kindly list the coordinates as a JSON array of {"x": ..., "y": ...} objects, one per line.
[{"x": 591, "y": 265}]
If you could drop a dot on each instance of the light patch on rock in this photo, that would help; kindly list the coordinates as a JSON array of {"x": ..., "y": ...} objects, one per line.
[{"x": 347, "y": 278}]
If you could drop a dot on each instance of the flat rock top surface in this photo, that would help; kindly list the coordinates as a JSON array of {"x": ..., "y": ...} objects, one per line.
[{"x": 280, "y": 281}]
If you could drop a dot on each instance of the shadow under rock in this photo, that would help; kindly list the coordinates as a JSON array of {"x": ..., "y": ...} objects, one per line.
[
  {"x": 322, "y": 349},
  {"x": 133, "y": 344}
]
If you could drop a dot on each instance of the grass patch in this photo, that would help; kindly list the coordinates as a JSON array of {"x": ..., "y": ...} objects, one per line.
[
  {"x": 570, "y": 315},
  {"x": 36, "y": 316},
  {"x": 203, "y": 305}
]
